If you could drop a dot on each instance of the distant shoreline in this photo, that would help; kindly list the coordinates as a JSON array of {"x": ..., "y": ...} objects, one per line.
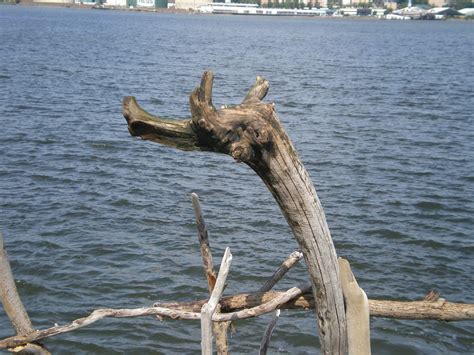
[{"x": 30, "y": 3}]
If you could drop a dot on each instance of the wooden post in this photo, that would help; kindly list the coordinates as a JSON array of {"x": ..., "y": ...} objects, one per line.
[
  {"x": 251, "y": 133},
  {"x": 357, "y": 312}
]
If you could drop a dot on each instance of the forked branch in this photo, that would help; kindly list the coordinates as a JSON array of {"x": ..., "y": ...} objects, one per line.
[{"x": 252, "y": 133}]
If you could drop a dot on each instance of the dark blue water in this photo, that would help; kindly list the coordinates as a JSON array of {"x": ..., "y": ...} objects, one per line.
[{"x": 380, "y": 112}]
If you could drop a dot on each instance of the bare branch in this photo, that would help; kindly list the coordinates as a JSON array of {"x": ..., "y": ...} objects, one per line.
[
  {"x": 268, "y": 333},
  {"x": 258, "y": 91},
  {"x": 10, "y": 298},
  {"x": 173, "y": 133},
  {"x": 176, "y": 313},
  {"x": 200, "y": 99},
  {"x": 251, "y": 305},
  {"x": 209, "y": 308},
  {"x": 204, "y": 244},
  {"x": 94, "y": 317},
  {"x": 219, "y": 329},
  {"x": 281, "y": 271},
  {"x": 439, "y": 310},
  {"x": 266, "y": 307}
]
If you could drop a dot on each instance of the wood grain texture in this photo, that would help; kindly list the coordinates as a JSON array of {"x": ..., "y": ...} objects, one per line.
[
  {"x": 439, "y": 310},
  {"x": 252, "y": 133},
  {"x": 10, "y": 297},
  {"x": 209, "y": 308},
  {"x": 357, "y": 312}
]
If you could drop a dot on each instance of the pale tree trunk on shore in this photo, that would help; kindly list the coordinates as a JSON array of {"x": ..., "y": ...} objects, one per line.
[
  {"x": 252, "y": 133},
  {"x": 10, "y": 298},
  {"x": 14, "y": 308}
]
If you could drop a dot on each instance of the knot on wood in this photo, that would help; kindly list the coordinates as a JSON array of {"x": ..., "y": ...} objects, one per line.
[{"x": 248, "y": 142}]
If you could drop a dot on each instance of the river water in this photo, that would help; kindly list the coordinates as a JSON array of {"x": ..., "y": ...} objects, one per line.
[{"x": 380, "y": 112}]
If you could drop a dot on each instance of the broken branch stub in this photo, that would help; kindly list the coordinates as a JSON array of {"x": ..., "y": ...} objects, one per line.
[{"x": 252, "y": 133}]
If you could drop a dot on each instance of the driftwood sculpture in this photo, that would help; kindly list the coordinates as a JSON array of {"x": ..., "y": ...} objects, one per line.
[{"x": 252, "y": 133}]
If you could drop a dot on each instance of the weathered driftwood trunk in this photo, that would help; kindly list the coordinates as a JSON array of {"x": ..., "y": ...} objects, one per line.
[{"x": 251, "y": 133}]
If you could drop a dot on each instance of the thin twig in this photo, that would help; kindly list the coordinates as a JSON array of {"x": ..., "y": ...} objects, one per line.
[
  {"x": 94, "y": 317},
  {"x": 268, "y": 333},
  {"x": 99, "y": 314},
  {"x": 219, "y": 329},
  {"x": 281, "y": 271},
  {"x": 267, "y": 286},
  {"x": 302, "y": 299},
  {"x": 209, "y": 308}
]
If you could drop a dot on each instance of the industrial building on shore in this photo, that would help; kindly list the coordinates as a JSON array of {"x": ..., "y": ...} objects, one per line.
[{"x": 316, "y": 7}]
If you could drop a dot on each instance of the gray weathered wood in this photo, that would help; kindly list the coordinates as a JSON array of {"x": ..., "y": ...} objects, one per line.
[
  {"x": 162, "y": 312},
  {"x": 204, "y": 244},
  {"x": 208, "y": 309},
  {"x": 357, "y": 312},
  {"x": 219, "y": 329},
  {"x": 252, "y": 133},
  {"x": 245, "y": 306},
  {"x": 281, "y": 271},
  {"x": 268, "y": 333},
  {"x": 438, "y": 310},
  {"x": 11, "y": 301}
]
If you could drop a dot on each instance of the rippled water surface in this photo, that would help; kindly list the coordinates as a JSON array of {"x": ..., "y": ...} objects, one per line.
[{"x": 380, "y": 112}]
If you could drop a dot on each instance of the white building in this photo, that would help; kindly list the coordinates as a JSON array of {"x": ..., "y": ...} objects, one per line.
[
  {"x": 54, "y": 1},
  {"x": 190, "y": 4},
  {"x": 469, "y": 11},
  {"x": 115, "y": 3}
]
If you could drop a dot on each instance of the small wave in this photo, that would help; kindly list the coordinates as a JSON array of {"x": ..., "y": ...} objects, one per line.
[
  {"x": 102, "y": 146},
  {"x": 121, "y": 202},
  {"x": 3, "y": 76},
  {"x": 429, "y": 206},
  {"x": 468, "y": 178},
  {"x": 426, "y": 243},
  {"x": 386, "y": 233}
]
